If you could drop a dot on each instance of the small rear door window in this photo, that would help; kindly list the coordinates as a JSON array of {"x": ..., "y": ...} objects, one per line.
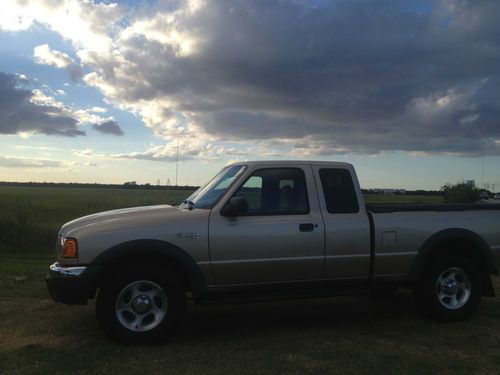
[{"x": 338, "y": 188}]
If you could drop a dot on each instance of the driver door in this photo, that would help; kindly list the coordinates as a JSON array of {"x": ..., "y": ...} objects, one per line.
[{"x": 279, "y": 238}]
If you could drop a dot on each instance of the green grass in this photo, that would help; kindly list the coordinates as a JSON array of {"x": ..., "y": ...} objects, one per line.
[
  {"x": 347, "y": 335},
  {"x": 334, "y": 335},
  {"x": 30, "y": 217},
  {"x": 402, "y": 199}
]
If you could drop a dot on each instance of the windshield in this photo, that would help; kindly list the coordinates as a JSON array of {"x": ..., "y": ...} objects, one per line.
[{"x": 206, "y": 196}]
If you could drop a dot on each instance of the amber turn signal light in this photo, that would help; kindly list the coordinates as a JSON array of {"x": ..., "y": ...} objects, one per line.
[{"x": 69, "y": 248}]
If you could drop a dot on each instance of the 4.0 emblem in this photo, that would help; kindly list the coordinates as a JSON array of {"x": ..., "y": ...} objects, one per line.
[{"x": 190, "y": 235}]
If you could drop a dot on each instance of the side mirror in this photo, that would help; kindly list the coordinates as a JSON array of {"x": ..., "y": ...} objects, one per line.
[{"x": 237, "y": 206}]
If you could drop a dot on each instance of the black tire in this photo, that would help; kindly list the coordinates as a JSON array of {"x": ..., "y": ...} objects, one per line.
[
  {"x": 145, "y": 287},
  {"x": 447, "y": 298}
]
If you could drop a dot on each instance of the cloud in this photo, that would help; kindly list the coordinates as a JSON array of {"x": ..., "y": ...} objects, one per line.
[
  {"x": 305, "y": 78},
  {"x": 87, "y": 152},
  {"x": 12, "y": 162},
  {"x": 30, "y": 111},
  {"x": 98, "y": 109},
  {"x": 108, "y": 127},
  {"x": 198, "y": 149},
  {"x": 44, "y": 55},
  {"x": 15, "y": 162},
  {"x": 86, "y": 23},
  {"x": 26, "y": 111}
]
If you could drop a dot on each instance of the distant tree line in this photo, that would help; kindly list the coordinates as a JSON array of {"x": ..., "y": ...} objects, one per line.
[
  {"x": 126, "y": 185},
  {"x": 460, "y": 193},
  {"x": 406, "y": 192}
]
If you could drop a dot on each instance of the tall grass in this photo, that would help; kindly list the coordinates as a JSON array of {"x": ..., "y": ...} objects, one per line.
[{"x": 30, "y": 217}]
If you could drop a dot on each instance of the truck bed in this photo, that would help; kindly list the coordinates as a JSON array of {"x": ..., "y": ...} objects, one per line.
[{"x": 388, "y": 208}]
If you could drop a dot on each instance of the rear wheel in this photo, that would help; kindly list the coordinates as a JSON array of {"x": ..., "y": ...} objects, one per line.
[
  {"x": 141, "y": 305},
  {"x": 450, "y": 289}
]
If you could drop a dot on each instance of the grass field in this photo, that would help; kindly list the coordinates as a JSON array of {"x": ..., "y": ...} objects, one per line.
[
  {"x": 402, "y": 199},
  {"x": 30, "y": 217},
  {"x": 335, "y": 335}
]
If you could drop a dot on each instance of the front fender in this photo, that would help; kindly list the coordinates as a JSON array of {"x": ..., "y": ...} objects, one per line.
[{"x": 144, "y": 248}]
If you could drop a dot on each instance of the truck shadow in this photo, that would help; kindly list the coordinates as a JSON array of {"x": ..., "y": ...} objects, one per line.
[{"x": 345, "y": 313}]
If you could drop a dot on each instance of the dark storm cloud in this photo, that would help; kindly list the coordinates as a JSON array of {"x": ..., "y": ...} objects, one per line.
[
  {"x": 108, "y": 127},
  {"x": 19, "y": 114},
  {"x": 364, "y": 76}
]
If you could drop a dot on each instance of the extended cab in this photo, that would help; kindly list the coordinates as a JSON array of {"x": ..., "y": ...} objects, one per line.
[{"x": 264, "y": 230}]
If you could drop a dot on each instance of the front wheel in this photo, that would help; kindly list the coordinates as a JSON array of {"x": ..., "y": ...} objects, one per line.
[
  {"x": 450, "y": 289},
  {"x": 141, "y": 305}
]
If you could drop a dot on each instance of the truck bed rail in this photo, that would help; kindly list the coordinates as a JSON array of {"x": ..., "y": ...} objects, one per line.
[{"x": 387, "y": 208}]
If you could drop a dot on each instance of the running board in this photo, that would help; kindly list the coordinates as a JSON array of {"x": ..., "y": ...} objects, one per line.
[{"x": 221, "y": 298}]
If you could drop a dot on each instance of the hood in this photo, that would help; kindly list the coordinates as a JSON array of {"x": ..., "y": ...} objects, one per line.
[{"x": 118, "y": 218}]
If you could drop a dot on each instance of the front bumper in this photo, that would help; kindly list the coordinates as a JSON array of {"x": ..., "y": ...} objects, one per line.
[{"x": 72, "y": 285}]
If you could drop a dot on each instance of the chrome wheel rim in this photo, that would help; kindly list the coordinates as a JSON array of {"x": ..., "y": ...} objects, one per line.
[
  {"x": 453, "y": 288},
  {"x": 141, "y": 306}
]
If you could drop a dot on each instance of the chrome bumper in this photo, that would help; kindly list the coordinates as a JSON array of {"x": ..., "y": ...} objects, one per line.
[
  {"x": 57, "y": 270},
  {"x": 72, "y": 285}
]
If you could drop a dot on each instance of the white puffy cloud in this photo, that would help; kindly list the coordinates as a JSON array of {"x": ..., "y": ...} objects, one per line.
[
  {"x": 98, "y": 109},
  {"x": 45, "y": 55},
  {"x": 183, "y": 149},
  {"x": 86, "y": 23}
]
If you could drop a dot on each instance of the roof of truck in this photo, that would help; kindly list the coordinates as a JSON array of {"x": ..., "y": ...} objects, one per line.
[{"x": 252, "y": 163}]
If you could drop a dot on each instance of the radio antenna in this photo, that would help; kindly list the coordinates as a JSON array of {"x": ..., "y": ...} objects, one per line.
[{"x": 177, "y": 163}]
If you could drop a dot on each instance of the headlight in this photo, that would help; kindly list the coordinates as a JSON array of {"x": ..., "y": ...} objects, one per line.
[{"x": 69, "y": 248}]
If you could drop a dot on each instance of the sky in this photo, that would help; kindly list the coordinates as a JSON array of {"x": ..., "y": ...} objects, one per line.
[{"x": 109, "y": 92}]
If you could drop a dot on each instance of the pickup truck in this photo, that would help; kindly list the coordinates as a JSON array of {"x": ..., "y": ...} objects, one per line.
[{"x": 272, "y": 230}]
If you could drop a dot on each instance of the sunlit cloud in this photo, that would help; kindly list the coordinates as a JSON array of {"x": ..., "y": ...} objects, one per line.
[{"x": 44, "y": 55}]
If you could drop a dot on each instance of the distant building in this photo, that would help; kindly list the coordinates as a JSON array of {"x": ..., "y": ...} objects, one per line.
[
  {"x": 388, "y": 191},
  {"x": 471, "y": 183}
]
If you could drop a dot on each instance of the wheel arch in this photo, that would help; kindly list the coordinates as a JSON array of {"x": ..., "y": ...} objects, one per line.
[
  {"x": 150, "y": 251},
  {"x": 456, "y": 241}
]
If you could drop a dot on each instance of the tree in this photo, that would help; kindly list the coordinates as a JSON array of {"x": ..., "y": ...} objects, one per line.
[{"x": 460, "y": 193}]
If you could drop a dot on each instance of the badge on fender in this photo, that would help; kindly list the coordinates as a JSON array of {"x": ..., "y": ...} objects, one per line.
[{"x": 191, "y": 236}]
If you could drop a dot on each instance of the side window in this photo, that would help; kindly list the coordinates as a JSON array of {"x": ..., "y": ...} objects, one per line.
[
  {"x": 276, "y": 191},
  {"x": 252, "y": 192},
  {"x": 340, "y": 195}
]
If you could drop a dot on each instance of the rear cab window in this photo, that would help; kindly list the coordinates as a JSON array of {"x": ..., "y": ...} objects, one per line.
[{"x": 339, "y": 192}]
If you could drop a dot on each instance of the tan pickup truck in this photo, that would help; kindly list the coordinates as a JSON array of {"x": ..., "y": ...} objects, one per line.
[{"x": 267, "y": 230}]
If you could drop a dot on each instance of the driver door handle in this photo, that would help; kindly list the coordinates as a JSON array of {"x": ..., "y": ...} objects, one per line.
[{"x": 306, "y": 227}]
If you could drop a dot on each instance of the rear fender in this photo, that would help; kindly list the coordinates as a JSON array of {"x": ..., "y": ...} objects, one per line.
[{"x": 437, "y": 243}]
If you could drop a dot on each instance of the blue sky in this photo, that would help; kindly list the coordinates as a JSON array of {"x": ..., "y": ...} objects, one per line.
[{"x": 104, "y": 92}]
